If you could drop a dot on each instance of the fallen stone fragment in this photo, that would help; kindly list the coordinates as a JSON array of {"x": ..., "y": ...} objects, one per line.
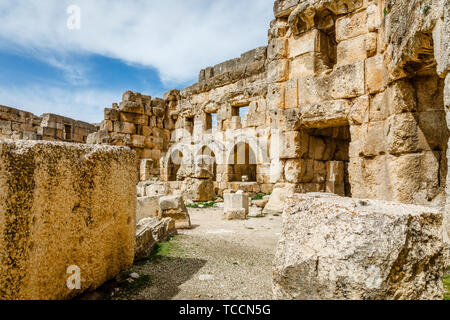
[
  {"x": 174, "y": 207},
  {"x": 342, "y": 248},
  {"x": 149, "y": 232}
]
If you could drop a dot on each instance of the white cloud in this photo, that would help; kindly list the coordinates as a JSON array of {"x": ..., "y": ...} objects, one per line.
[
  {"x": 177, "y": 37},
  {"x": 83, "y": 104}
]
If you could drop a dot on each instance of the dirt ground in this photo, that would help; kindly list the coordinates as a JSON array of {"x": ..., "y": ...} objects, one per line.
[{"x": 216, "y": 259}]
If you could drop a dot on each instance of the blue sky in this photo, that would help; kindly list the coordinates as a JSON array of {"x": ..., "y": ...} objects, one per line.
[{"x": 144, "y": 46}]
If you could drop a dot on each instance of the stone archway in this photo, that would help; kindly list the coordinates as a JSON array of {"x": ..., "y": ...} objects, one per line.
[{"x": 242, "y": 163}]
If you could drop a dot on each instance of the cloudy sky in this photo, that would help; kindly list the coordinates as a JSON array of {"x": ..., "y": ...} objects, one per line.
[{"x": 147, "y": 46}]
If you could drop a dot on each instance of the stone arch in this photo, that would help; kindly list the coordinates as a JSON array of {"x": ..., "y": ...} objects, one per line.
[
  {"x": 258, "y": 147},
  {"x": 176, "y": 156},
  {"x": 216, "y": 147}
]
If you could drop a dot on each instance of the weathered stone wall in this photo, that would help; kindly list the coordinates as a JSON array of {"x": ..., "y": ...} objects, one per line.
[
  {"x": 338, "y": 64},
  {"x": 64, "y": 205},
  {"x": 220, "y": 93},
  {"x": 141, "y": 123},
  {"x": 18, "y": 124},
  {"x": 58, "y": 128}
]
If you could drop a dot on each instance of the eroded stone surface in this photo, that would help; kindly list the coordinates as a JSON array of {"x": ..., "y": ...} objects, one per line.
[
  {"x": 64, "y": 205},
  {"x": 341, "y": 248}
]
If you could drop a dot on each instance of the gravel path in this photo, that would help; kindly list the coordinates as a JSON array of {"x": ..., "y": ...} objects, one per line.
[{"x": 217, "y": 259}]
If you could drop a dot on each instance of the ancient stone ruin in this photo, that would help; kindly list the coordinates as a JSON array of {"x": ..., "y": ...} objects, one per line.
[{"x": 349, "y": 98}]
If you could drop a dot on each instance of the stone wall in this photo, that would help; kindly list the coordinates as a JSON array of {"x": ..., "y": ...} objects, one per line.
[
  {"x": 338, "y": 65},
  {"x": 64, "y": 205},
  {"x": 348, "y": 97},
  {"x": 58, "y": 128},
  {"x": 18, "y": 124},
  {"x": 141, "y": 123}
]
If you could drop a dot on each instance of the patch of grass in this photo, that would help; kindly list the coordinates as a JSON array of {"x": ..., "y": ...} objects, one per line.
[
  {"x": 260, "y": 196},
  {"x": 201, "y": 205},
  {"x": 426, "y": 10},
  {"x": 163, "y": 250},
  {"x": 446, "y": 281}
]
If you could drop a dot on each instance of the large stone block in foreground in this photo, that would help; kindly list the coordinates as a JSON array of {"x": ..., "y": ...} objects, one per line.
[
  {"x": 64, "y": 205},
  {"x": 342, "y": 248}
]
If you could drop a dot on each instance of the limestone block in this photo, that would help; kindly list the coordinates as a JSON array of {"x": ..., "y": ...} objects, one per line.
[
  {"x": 326, "y": 114},
  {"x": 293, "y": 144},
  {"x": 291, "y": 94},
  {"x": 277, "y": 71},
  {"x": 401, "y": 97},
  {"x": 124, "y": 127},
  {"x": 76, "y": 205},
  {"x": 157, "y": 189},
  {"x": 112, "y": 114},
  {"x": 107, "y": 125},
  {"x": 277, "y": 199},
  {"x": 376, "y": 74},
  {"x": 131, "y": 107},
  {"x": 402, "y": 134},
  {"x": 174, "y": 207},
  {"x": 295, "y": 170},
  {"x": 352, "y": 50},
  {"x": 414, "y": 178},
  {"x": 198, "y": 189},
  {"x": 432, "y": 130},
  {"x": 379, "y": 106},
  {"x": 141, "y": 119},
  {"x": 277, "y": 49},
  {"x": 138, "y": 141},
  {"x": 350, "y": 26},
  {"x": 359, "y": 112},
  {"x": 374, "y": 139},
  {"x": 346, "y": 249},
  {"x": 147, "y": 207},
  {"x": 288, "y": 119},
  {"x": 255, "y": 212},
  {"x": 145, "y": 242},
  {"x": 276, "y": 171},
  {"x": 344, "y": 82},
  {"x": 236, "y": 205},
  {"x": 6, "y": 127},
  {"x": 357, "y": 178},
  {"x": 307, "y": 64},
  {"x": 305, "y": 43},
  {"x": 256, "y": 114},
  {"x": 276, "y": 96},
  {"x": 319, "y": 172}
]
